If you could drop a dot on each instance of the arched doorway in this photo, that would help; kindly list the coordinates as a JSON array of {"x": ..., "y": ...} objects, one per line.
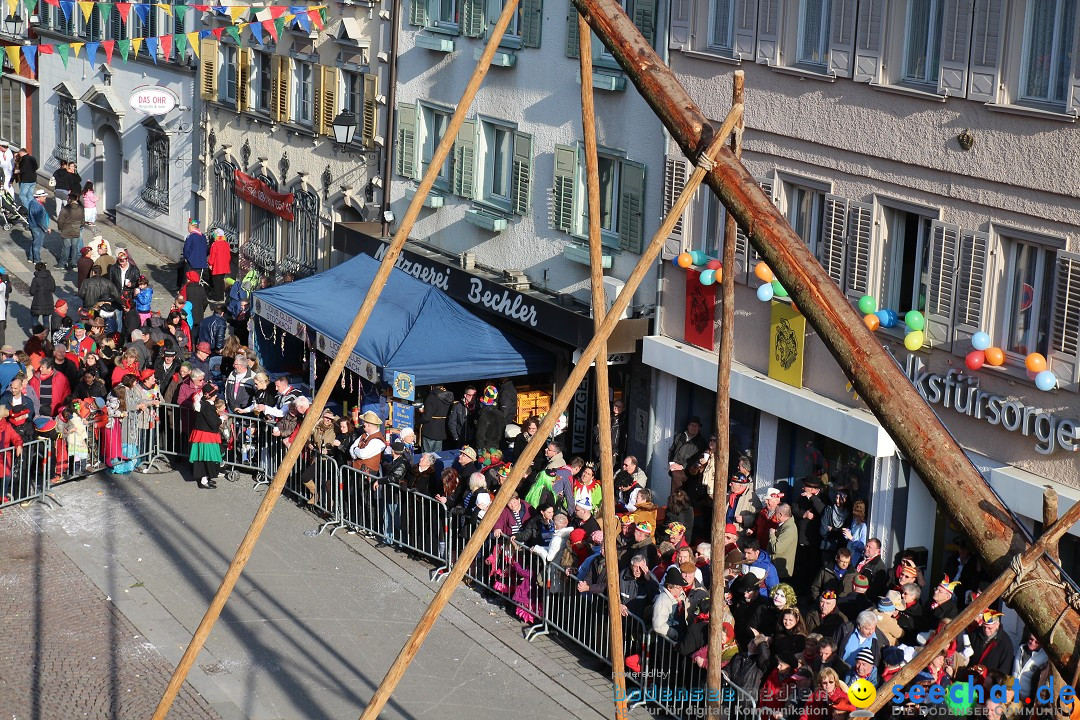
[{"x": 108, "y": 166}]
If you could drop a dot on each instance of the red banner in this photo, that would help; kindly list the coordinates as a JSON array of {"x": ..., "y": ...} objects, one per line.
[
  {"x": 700, "y": 311},
  {"x": 258, "y": 193}
]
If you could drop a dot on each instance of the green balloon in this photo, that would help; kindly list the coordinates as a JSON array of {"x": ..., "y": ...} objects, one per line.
[
  {"x": 778, "y": 289},
  {"x": 959, "y": 699},
  {"x": 915, "y": 320},
  {"x": 867, "y": 304}
]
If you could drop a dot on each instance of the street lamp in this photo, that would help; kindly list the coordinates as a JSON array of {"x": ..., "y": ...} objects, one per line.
[
  {"x": 13, "y": 24},
  {"x": 344, "y": 129}
]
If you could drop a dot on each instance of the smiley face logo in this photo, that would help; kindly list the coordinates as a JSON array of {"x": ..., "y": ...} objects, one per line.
[{"x": 862, "y": 693}]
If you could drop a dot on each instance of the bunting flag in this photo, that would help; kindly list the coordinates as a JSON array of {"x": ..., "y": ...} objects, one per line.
[
  {"x": 304, "y": 22},
  {"x": 75, "y": 48},
  {"x": 91, "y": 52},
  {"x": 66, "y": 6},
  {"x": 316, "y": 19},
  {"x": 62, "y": 50},
  {"x": 279, "y": 26},
  {"x": 54, "y": 3},
  {"x": 235, "y": 11},
  {"x": 124, "y": 8},
  {"x": 151, "y": 48},
  {"x": 165, "y": 43},
  {"x": 13, "y": 56},
  {"x": 277, "y": 11},
  {"x": 45, "y": 49},
  {"x": 204, "y": 34},
  {"x": 108, "y": 46},
  {"x": 87, "y": 8},
  {"x": 30, "y": 6},
  {"x": 193, "y": 41},
  {"x": 105, "y": 10},
  {"x": 217, "y": 32},
  {"x": 201, "y": 8},
  {"x": 136, "y": 43},
  {"x": 143, "y": 11},
  {"x": 124, "y": 46},
  {"x": 30, "y": 53},
  {"x": 234, "y": 33},
  {"x": 270, "y": 28},
  {"x": 181, "y": 13},
  {"x": 181, "y": 45},
  {"x": 256, "y": 31}
]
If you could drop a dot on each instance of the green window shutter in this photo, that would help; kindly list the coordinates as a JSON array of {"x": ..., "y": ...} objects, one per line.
[
  {"x": 472, "y": 18},
  {"x": 562, "y": 210},
  {"x": 532, "y": 19},
  {"x": 572, "y": 50},
  {"x": 644, "y": 16},
  {"x": 464, "y": 173},
  {"x": 418, "y": 12},
  {"x": 521, "y": 181},
  {"x": 631, "y": 206},
  {"x": 405, "y": 151}
]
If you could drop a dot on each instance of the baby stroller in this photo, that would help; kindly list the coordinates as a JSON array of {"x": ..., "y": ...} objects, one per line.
[{"x": 11, "y": 211}]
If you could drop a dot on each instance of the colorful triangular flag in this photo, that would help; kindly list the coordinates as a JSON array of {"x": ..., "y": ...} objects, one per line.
[
  {"x": 75, "y": 48},
  {"x": 151, "y": 48},
  {"x": 204, "y": 34},
  {"x": 143, "y": 11},
  {"x": 235, "y": 11},
  {"x": 277, "y": 11},
  {"x": 66, "y": 6},
  {"x": 279, "y": 25},
  {"x": 217, "y": 32},
  {"x": 87, "y": 8},
  {"x": 45, "y": 49},
  {"x": 234, "y": 33},
  {"x": 62, "y": 51},
  {"x": 193, "y": 41},
  {"x": 124, "y": 46},
  {"x": 108, "y": 46},
  {"x": 30, "y": 53},
  {"x": 124, "y": 8},
  {"x": 13, "y": 56},
  {"x": 201, "y": 8},
  {"x": 30, "y": 6},
  {"x": 54, "y": 3},
  {"x": 181, "y": 13},
  {"x": 304, "y": 22},
  {"x": 165, "y": 43},
  {"x": 91, "y": 52},
  {"x": 269, "y": 25},
  {"x": 256, "y": 31},
  {"x": 219, "y": 9},
  {"x": 136, "y": 43},
  {"x": 181, "y": 46},
  {"x": 105, "y": 10},
  {"x": 316, "y": 19}
]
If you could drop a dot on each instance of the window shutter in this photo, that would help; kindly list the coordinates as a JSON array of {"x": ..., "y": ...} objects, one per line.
[
  {"x": 939, "y": 292},
  {"x": 674, "y": 182},
  {"x": 868, "y": 41},
  {"x": 418, "y": 12},
  {"x": 745, "y": 28},
  {"x": 370, "y": 124},
  {"x": 1075, "y": 89},
  {"x": 860, "y": 238},
  {"x": 328, "y": 92},
  {"x": 1065, "y": 324},
  {"x": 243, "y": 73},
  {"x": 766, "y": 185},
  {"x": 572, "y": 50},
  {"x": 971, "y": 271},
  {"x": 532, "y": 22},
  {"x": 742, "y": 247},
  {"x": 280, "y": 92},
  {"x": 679, "y": 25},
  {"x": 768, "y": 31},
  {"x": 631, "y": 206},
  {"x": 521, "y": 180},
  {"x": 955, "y": 46},
  {"x": 472, "y": 18},
  {"x": 834, "y": 237},
  {"x": 644, "y": 17},
  {"x": 841, "y": 36},
  {"x": 208, "y": 54},
  {"x": 464, "y": 172},
  {"x": 985, "y": 51},
  {"x": 562, "y": 210},
  {"x": 405, "y": 150}
]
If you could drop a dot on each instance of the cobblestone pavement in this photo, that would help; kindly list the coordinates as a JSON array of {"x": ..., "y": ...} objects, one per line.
[{"x": 68, "y": 652}]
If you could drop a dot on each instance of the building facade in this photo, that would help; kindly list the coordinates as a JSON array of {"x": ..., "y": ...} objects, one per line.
[
  {"x": 18, "y": 84},
  {"x": 924, "y": 151}
]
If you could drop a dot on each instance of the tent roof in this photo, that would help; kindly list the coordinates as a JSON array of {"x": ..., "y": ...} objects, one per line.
[{"x": 414, "y": 328}]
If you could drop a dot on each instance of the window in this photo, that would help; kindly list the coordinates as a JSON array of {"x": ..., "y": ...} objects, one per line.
[
  {"x": 227, "y": 74},
  {"x": 622, "y": 197},
  {"x": 226, "y": 202},
  {"x": 803, "y": 207},
  {"x": 12, "y": 102},
  {"x": 513, "y": 30},
  {"x": 352, "y": 88},
  {"x": 434, "y": 123},
  {"x": 922, "y": 49},
  {"x": 156, "y": 191},
  {"x": 303, "y": 93},
  {"x": 714, "y": 216},
  {"x": 444, "y": 14},
  {"x": 497, "y": 155},
  {"x": 262, "y": 245},
  {"x": 1047, "y": 55},
  {"x": 65, "y": 130},
  {"x": 813, "y": 32},
  {"x": 1029, "y": 283},
  {"x": 907, "y": 260},
  {"x": 304, "y": 235},
  {"x": 262, "y": 84},
  {"x": 721, "y": 25}
]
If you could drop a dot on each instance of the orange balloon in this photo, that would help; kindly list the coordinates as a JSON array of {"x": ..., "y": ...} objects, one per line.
[
  {"x": 994, "y": 356},
  {"x": 719, "y": 274},
  {"x": 685, "y": 260},
  {"x": 871, "y": 321},
  {"x": 763, "y": 272},
  {"x": 1035, "y": 362}
]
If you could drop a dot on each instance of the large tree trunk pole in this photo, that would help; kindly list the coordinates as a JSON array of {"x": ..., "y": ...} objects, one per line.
[
  {"x": 1049, "y": 517},
  {"x": 562, "y": 400},
  {"x": 953, "y": 481},
  {"x": 722, "y": 426},
  {"x": 607, "y": 481},
  {"x": 243, "y": 553}
]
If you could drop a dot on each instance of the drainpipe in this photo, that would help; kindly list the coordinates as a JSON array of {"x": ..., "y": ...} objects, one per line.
[{"x": 391, "y": 112}]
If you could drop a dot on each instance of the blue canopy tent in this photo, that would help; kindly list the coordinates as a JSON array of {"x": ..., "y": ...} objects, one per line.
[{"x": 414, "y": 328}]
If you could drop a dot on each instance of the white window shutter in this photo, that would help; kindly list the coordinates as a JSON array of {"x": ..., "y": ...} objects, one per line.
[
  {"x": 985, "y": 50},
  {"x": 674, "y": 181},
  {"x": 868, "y": 41},
  {"x": 681, "y": 19},
  {"x": 841, "y": 36},
  {"x": 1065, "y": 324},
  {"x": 754, "y": 258},
  {"x": 745, "y": 28},
  {"x": 768, "y": 48},
  {"x": 955, "y": 46},
  {"x": 859, "y": 246},
  {"x": 939, "y": 292},
  {"x": 834, "y": 237},
  {"x": 972, "y": 260}
]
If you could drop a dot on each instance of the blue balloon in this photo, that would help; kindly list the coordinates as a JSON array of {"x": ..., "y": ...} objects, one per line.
[
  {"x": 883, "y": 317},
  {"x": 765, "y": 292},
  {"x": 707, "y": 277},
  {"x": 1046, "y": 380},
  {"x": 675, "y": 262},
  {"x": 894, "y": 318},
  {"x": 980, "y": 340}
]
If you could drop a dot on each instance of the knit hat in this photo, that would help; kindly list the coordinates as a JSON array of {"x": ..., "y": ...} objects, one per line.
[
  {"x": 203, "y": 347},
  {"x": 861, "y": 582},
  {"x": 86, "y": 250},
  {"x": 892, "y": 656},
  {"x": 489, "y": 396},
  {"x": 731, "y": 529},
  {"x": 866, "y": 655},
  {"x": 192, "y": 276},
  {"x": 60, "y": 303}
]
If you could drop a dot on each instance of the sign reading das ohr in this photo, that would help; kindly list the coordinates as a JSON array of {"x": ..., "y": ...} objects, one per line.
[{"x": 154, "y": 100}]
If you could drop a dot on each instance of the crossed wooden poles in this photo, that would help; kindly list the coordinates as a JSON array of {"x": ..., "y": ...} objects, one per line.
[{"x": 951, "y": 478}]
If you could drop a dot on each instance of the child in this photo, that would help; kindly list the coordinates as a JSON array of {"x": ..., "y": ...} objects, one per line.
[
  {"x": 89, "y": 202},
  {"x": 144, "y": 296}
]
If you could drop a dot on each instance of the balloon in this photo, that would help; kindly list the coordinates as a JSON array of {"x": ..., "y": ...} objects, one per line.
[
  {"x": 975, "y": 359},
  {"x": 765, "y": 293},
  {"x": 685, "y": 260},
  {"x": 914, "y": 340},
  {"x": 994, "y": 356},
  {"x": 883, "y": 317},
  {"x": 915, "y": 320},
  {"x": 675, "y": 261},
  {"x": 871, "y": 321},
  {"x": 707, "y": 277},
  {"x": 1046, "y": 381},
  {"x": 867, "y": 304},
  {"x": 714, "y": 265},
  {"x": 778, "y": 289},
  {"x": 1035, "y": 362},
  {"x": 980, "y": 340},
  {"x": 718, "y": 273},
  {"x": 764, "y": 274},
  {"x": 698, "y": 257},
  {"x": 894, "y": 318}
]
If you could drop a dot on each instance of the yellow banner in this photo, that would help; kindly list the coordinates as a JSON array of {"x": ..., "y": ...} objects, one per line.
[
  {"x": 87, "y": 8},
  {"x": 787, "y": 344}
]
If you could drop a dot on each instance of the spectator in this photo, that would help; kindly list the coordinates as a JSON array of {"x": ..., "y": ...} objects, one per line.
[
  {"x": 856, "y": 533},
  {"x": 873, "y": 567},
  {"x": 743, "y": 504},
  {"x": 194, "y": 293},
  {"x": 89, "y": 203},
  {"x": 1029, "y": 664},
  {"x": 836, "y": 575},
  {"x": 205, "y": 438},
  {"x": 489, "y": 420},
  {"x": 458, "y": 424},
  {"x": 809, "y": 508},
  {"x": 642, "y": 545},
  {"x": 783, "y": 542},
  {"x": 766, "y": 519},
  {"x": 368, "y": 448},
  {"x": 26, "y": 166},
  {"x": 863, "y": 634},
  {"x": 826, "y": 620},
  {"x": 214, "y": 328},
  {"x": 69, "y": 222},
  {"x": 123, "y": 274},
  {"x": 584, "y": 515},
  {"x": 7, "y": 166},
  {"x": 219, "y": 261},
  {"x": 756, "y": 557},
  {"x": 42, "y": 288},
  {"x": 195, "y": 254},
  {"x": 240, "y": 386},
  {"x": 513, "y": 518},
  {"x": 864, "y": 667},
  {"x": 83, "y": 266},
  {"x": 433, "y": 416},
  {"x": 51, "y": 387},
  {"x": 991, "y": 647},
  {"x": 686, "y": 445},
  {"x": 669, "y": 608},
  {"x": 97, "y": 289}
]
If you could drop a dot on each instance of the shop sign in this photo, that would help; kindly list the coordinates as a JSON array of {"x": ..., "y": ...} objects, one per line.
[
  {"x": 154, "y": 100},
  {"x": 357, "y": 364},
  {"x": 579, "y": 435},
  {"x": 258, "y": 193},
  {"x": 280, "y": 318},
  {"x": 787, "y": 344},
  {"x": 699, "y": 322},
  {"x": 960, "y": 392},
  {"x": 404, "y": 386}
]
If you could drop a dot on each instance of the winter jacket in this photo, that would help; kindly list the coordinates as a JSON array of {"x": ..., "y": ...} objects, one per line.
[
  {"x": 196, "y": 250},
  {"x": 42, "y": 288},
  {"x": 508, "y": 401},
  {"x": 83, "y": 265},
  {"x": 195, "y": 294},
  {"x": 143, "y": 299},
  {"x": 70, "y": 220},
  {"x": 129, "y": 276},
  {"x": 783, "y": 546},
  {"x": 59, "y": 391},
  {"x": 220, "y": 258},
  {"x": 489, "y": 427},
  {"x": 212, "y": 331},
  {"x": 97, "y": 289},
  {"x": 437, "y": 406},
  {"x": 666, "y": 620},
  {"x": 771, "y": 578},
  {"x": 457, "y": 425},
  {"x": 743, "y": 509},
  {"x": 89, "y": 199}
]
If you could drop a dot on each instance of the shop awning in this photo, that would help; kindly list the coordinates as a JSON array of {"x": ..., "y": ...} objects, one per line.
[{"x": 414, "y": 328}]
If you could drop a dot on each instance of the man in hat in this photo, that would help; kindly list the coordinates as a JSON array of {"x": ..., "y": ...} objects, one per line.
[
  {"x": 7, "y": 165},
  {"x": 887, "y": 612},
  {"x": 81, "y": 342},
  {"x": 827, "y": 620},
  {"x": 864, "y": 668},
  {"x": 808, "y": 510},
  {"x": 26, "y": 166},
  {"x": 753, "y": 612},
  {"x": 583, "y": 513},
  {"x": 201, "y": 359},
  {"x": 942, "y": 605},
  {"x": 743, "y": 503},
  {"x": 669, "y": 607},
  {"x": 195, "y": 253},
  {"x": 859, "y": 598},
  {"x": 766, "y": 518},
  {"x": 366, "y": 451},
  {"x": 9, "y": 366},
  {"x": 69, "y": 222},
  {"x": 676, "y": 533},
  {"x": 38, "y": 220},
  {"x": 643, "y": 544},
  {"x": 992, "y": 648},
  {"x": 466, "y": 462},
  {"x": 124, "y": 273}
]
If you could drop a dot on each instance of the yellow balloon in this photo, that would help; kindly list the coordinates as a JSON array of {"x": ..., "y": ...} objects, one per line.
[{"x": 914, "y": 340}]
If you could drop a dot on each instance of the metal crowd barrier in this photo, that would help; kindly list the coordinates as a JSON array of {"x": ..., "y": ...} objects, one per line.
[{"x": 25, "y": 472}]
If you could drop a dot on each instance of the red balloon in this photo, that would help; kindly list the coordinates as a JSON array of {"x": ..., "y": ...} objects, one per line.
[
  {"x": 713, "y": 265},
  {"x": 975, "y": 359}
]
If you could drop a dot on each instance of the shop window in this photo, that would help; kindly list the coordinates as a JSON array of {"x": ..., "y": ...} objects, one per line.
[
  {"x": 262, "y": 244},
  {"x": 1028, "y": 294},
  {"x": 433, "y": 125},
  {"x": 1049, "y": 35},
  {"x": 304, "y": 240},
  {"x": 226, "y": 203},
  {"x": 227, "y": 74},
  {"x": 922, "y": 45},
  {"x": 813, "y": 38},
  {"x": 65, "y": 130},
  {"x": 156, "y": 191},
  {"x": 303, "y": 93},
  {"x": 11, "y": 111},
  {"x": 906, "y": 260}
]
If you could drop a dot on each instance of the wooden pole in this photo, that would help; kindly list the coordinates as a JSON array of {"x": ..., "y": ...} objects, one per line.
[
  {"x": 940, "y": 641},
  {"x": 509, "y": 486},
  {"x": 607, "y": 482},
  {"x": 723, "y": 417},
  {"x": 243, "y": 553},
  {"x": 1049, "y": 517}
]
